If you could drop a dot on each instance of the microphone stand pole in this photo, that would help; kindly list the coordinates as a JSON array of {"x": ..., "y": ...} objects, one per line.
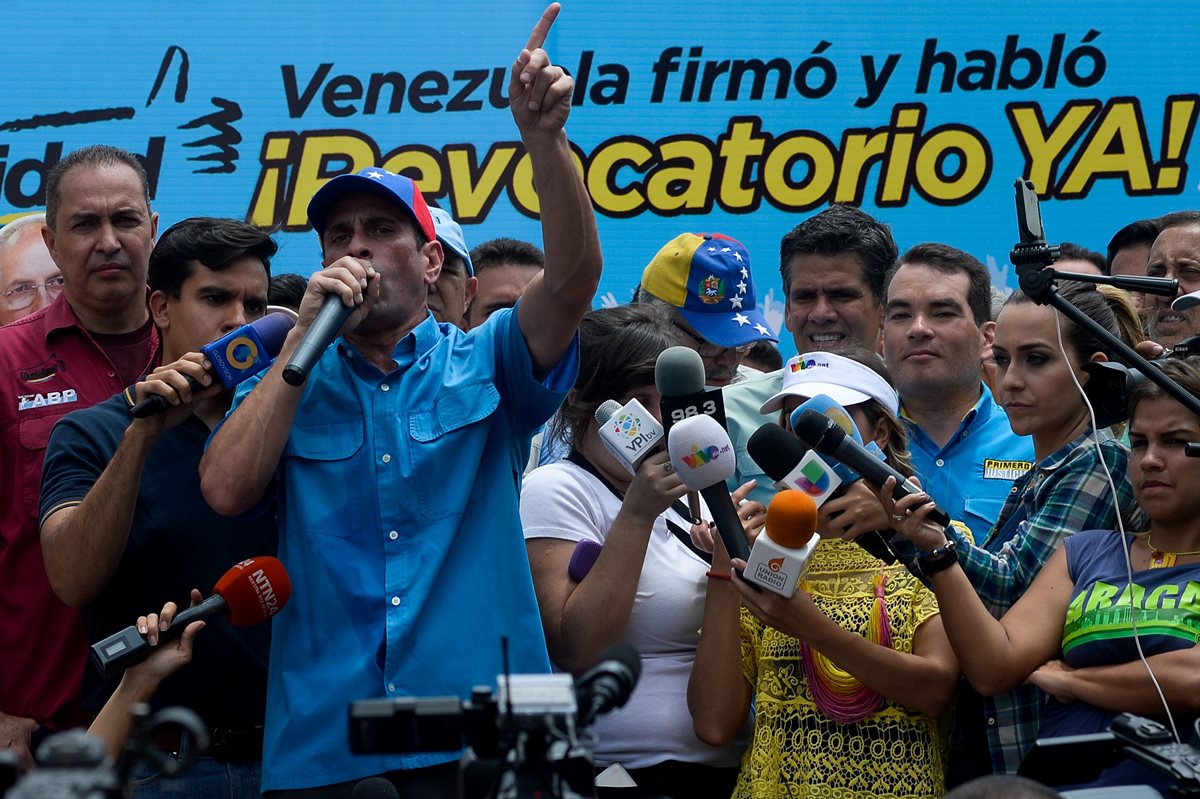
[{"x": 1032, "y": 256}]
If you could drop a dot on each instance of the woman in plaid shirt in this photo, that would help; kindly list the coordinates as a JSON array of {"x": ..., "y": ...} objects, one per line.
[{"x": 1066, "y": 491}]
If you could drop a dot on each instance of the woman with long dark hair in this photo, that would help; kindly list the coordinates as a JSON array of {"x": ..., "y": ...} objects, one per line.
[
  {"x": 849, "y": 676},
  {"x": 644, "y": 579},
  {"x": 1077, "y": 631}
]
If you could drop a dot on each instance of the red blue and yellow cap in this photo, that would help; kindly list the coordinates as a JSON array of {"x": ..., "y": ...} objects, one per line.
[
  {"x": 394, "y": 188},
  {"x": 707, "y": 277}
]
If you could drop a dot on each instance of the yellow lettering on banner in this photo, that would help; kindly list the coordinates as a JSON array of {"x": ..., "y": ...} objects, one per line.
[
  {"x": 684, "y": 177},
  {"x": 474, "y": 189},
  {"x": 975, "y": 165},
  {"x": 324, "y": 154},
  {"x": 797, "y": 171},
  {"x": 422, "y": 165},
  {"x": 906, "y": 121},
  {"x": 817, "y": 153},
  {"x": 521, "y": 190},
  {"x": 1179, "y": 120},
  {"x": 267, "y": 201},
  {"x": 607, "y": 160},
  {"x": 1116, "y": 145},
  {"x": 1045, "y": 147},
  {"x": 742, "y": 143},
  {"x": 859, "y": 150}
]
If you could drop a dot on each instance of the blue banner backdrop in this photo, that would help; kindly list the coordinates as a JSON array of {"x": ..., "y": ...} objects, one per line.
[{"x": 740, "y": 119}]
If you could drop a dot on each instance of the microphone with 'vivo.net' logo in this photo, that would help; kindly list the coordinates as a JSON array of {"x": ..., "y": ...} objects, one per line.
[{"x": 702, "y": 455}]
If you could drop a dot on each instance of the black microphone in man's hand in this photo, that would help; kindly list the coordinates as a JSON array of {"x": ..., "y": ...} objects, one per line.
[
  {"x": 251, "y": 592},
  {"x": 779, "y": 453},
  {"x": 320, "y": 334},
  {"x": 235, "y": 357},
  {"x": 826, "y": 437}
]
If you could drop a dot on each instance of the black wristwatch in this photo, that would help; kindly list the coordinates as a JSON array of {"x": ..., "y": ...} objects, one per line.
[{"x": 939, "y": 559}]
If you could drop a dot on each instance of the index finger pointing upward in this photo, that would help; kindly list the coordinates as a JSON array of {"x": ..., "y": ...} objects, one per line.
[{"x": 542, "y": 29}]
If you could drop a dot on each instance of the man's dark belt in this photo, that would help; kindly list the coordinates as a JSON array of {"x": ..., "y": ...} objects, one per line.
[{"x": 228, "y": 744}]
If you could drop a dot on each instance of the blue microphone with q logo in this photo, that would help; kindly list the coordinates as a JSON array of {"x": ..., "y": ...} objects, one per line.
[{"x": 236, "y": 356}]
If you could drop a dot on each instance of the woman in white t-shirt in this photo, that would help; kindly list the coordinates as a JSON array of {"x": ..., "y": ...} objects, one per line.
[{"x": 646, "y": 585}]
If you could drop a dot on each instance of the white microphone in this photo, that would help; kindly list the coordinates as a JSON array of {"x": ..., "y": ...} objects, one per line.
[
  {"x": 629, "y": 432},
  {"x": 702, "y": 454},
  {"x": 1186, "y": 302},
  {"x": 783, "y": 549}
]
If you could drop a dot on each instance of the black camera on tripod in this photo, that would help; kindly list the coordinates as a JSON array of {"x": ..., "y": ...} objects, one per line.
[
  {"x": 1076, "y": 759},
  {"x": 73, "y": 764},
  {"x": 531, "y": 737}
]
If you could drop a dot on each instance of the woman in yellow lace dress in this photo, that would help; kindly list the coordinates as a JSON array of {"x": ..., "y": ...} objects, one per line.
[{"x": 850, "y": 675}]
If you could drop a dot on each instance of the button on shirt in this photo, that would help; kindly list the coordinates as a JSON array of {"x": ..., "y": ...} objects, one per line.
[
  {"x": 49, "y": 366},
  {"x": 971, "y": 476},
  {"x": 399, "y": 528}
]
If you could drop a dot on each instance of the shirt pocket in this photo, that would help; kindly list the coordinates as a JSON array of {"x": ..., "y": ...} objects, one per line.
[
  {"x": 34, "y": 435},
  {"x": 981, "y": 514},
  {"x": 447, "y": 447},
  {"x": 748, "y": 468},
  {"x": 329, "y": 477}
]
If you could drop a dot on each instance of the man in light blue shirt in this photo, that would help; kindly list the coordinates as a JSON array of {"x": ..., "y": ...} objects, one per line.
[
  {"x": 396, "y": 464},
  {"x": 833, "y": 266},
  {"x": 937, "y": 324}
]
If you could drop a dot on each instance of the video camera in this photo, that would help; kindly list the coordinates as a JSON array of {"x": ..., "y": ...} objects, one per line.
[
  {"x": 1081, "y": 758},
  {"x": 73, "y": 764},
  {"x": 529, "y": 738}
]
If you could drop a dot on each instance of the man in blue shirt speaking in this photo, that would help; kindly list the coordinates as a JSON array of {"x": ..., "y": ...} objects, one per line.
[{"x": 396, "y": 463}]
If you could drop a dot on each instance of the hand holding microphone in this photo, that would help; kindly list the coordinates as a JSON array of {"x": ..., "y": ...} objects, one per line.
[
  {"x": 914, "y": 515},
  {"x": 781, "y": 553},
  {"x": 826, "y": 437},
  {"x": 164, "y": 661},
  {"x": 653, "y": 488},
  {"x": 635, "y": 439},
  {"x": 232, "y": 358},
  {"x": 338, "y": 298},
  {"x": 778, "y": 562},
  {"x": 794, "y": 466},
  {"x": 250, "y": 593},
  {"x": 174, "y": 387}
]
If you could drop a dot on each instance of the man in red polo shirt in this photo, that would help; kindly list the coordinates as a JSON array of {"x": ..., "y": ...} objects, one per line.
[{"x": 90, "y": 343}]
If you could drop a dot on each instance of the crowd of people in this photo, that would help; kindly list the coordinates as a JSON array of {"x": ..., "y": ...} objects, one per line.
[{"x": 419, "y": 527}]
